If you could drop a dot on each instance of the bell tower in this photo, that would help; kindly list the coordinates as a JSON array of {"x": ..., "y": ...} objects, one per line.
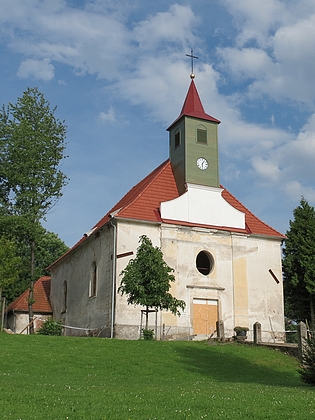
[{"x": 193, "y": 139}]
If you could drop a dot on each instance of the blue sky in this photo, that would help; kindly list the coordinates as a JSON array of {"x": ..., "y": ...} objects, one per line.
[{"x": 118, "y": 73}]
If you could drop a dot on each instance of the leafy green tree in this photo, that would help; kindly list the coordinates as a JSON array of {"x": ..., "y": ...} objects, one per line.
[
  {"x": 49, "y": 247},
  {"x": 299, "y": 264},
  {"x": 146, "y": 280},
  {"x": 10, "y": 266},
  {"x": 10, "y": 262},
  {"x": 32, "y": 145}
]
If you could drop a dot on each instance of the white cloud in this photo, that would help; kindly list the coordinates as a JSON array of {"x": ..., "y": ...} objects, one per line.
[
  {"x": 108, "y": 116},
  {"x": 289, "y": 167},
  {"x": 246, "y": 62},
  {"x": 295, "y": 191},
  {"x": 266, "y": 169},
  {"x": 37, "y": 69},
  {"x": 89, "y": 41},
  {"x": 281, "y": 64},
  {"x": 173, "y": 26},
  {"x": 255, "y": 19}
]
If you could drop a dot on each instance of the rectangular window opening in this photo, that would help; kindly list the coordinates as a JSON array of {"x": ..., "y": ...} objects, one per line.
[
  {"x": 93, "y": 281},
  {"x": 177, "y": 139},
  {"x": 201, "y": 136}
]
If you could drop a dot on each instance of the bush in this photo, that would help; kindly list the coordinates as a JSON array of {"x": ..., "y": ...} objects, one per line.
[
  {"x": 239, "y": 330},
  {"x": 50, "y": 327},
  {"x": 307, "y": 370},
  {"x": 147, "y": 334}
]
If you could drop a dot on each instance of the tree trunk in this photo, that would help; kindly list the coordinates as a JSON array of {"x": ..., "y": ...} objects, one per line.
[
  {"x": 147, "y": 318},
  {"x": 2, "y": 309},
  {"x": 31, "y": 294}
]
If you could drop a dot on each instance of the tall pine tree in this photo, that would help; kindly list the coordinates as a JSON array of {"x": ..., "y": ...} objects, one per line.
[{"x": 299, "y": 265}]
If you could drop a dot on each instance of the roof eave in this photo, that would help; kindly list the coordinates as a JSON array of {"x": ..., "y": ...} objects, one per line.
[{"x": 207, "y": 118}]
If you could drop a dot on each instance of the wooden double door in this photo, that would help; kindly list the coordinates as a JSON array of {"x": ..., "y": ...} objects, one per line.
[{"x": 205, "y": 316}]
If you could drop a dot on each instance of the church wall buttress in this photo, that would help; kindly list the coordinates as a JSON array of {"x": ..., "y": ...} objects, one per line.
[{"x": 240, "y": 291}]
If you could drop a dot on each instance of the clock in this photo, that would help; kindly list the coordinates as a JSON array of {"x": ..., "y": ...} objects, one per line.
[{"x": 202, "y": 163}]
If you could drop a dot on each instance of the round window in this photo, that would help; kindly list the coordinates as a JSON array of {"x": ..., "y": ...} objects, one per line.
[{"x": 204, "y": 262}]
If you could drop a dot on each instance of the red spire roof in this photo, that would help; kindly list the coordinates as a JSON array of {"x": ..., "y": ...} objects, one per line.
[
  {"x": 41, "y": 297},
  {"x": 193, "y": 107}
]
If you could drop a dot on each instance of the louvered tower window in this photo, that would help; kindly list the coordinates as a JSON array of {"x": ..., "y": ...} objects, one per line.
[
  {"x": 177, "y": 138},
  {"x": 201, "y": 135}
]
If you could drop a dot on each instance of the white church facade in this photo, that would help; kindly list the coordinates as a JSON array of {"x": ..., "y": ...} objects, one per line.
[{"x": 227, "y": 262}]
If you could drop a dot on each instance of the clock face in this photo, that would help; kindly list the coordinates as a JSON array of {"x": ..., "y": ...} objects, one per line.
[{"x": 202, "y": 163}]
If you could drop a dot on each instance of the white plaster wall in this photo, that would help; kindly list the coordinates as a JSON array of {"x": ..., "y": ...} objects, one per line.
[
  {"x": 240, "y": 281},
  {"x": 127, "y": 317},
  {"x": 266, "y": 304},
  {"x": 203, "y": 205},
  {"x": 82, "y": 311},
  {"x": 181, "y": 247},
  {"x": 18, "y": 321}
]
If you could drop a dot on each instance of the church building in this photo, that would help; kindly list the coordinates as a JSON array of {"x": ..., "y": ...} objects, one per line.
[{"x": 227, "y": 262}]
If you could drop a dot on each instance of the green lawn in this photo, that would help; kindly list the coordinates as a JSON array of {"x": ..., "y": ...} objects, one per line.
[{"x": 88, "y": 378}]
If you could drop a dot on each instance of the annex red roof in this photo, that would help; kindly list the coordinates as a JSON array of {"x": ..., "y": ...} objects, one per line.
[
  {"x": 193, "y": 106},
  {"x": 41, "y": 297}
]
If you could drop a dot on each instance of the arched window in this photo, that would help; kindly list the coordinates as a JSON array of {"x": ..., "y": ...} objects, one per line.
[
  {"x": 65, "y": 296},
  {"x": 202, "y": 135},
  {"x": 204, "y": 262},
  {"x": 93, "y": 280}
]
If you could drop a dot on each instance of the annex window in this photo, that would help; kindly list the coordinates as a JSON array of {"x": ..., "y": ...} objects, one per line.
[
  {"x": 93, "y": 280},
  {"x": 202, "y": 135},
  {"x": 204, "y": 262},
  {"x": 177, "y": 138}
]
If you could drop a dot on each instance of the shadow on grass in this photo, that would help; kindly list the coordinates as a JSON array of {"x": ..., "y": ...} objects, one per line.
[{"x": 236, "y": 363}]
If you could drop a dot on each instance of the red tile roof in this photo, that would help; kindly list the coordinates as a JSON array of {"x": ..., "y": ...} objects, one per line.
[
  {"x": 143, "y": 201},
  {"x": 41, "y": 297},
  {"x": 193, "y": 107}
]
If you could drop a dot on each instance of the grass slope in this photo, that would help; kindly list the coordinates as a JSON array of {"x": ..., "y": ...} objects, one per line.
[{"x": 87, "y": 378}]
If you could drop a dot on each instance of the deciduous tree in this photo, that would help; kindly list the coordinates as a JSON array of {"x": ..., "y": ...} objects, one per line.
[
  {"x": 10, "y": 266},
  {"x": 32, "y": 145},
  {"x": 49, "y": 247},
  {"x": 10, "y": 262},
  {"x": 146, "y": 280}
]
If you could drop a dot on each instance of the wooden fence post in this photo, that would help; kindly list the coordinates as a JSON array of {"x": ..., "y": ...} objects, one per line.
[{"x": 220, "y": 329}]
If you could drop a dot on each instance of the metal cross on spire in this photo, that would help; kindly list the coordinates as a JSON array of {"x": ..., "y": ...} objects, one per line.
[{"x": 192, "y": 56}]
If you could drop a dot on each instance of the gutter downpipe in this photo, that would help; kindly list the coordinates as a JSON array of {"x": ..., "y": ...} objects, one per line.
[{"x": 113, "y": 279}]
